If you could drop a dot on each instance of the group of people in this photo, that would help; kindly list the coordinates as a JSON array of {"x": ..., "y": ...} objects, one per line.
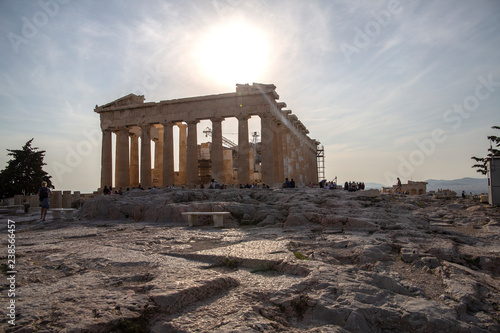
[
  {"x": 215, "y": 185},
  {"x": 289, "y": 183},
  {"x": 332, "y": 185},
  {"x": 354, "y": 186},
  {"x": 108, "y": 190}
]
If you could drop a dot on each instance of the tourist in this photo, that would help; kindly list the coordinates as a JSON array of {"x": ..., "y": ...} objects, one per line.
[
  {"x": 44, "y": 195},
  {"x": 399, "y": 186},
  {"x": 286, "y": 184},
  {"x": 105, "y": 191},
  {"x": 292, "y": 183}
]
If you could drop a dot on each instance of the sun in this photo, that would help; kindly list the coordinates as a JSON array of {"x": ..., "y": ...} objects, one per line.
[{"x": 234, "y": 53}]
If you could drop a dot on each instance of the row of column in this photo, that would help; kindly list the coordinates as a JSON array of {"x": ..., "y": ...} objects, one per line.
[{"x": 283, "y": 154}]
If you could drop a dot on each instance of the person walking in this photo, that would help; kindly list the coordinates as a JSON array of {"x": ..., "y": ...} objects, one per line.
[
  {"x": 399, "y": 187},
  {"x": 44, "y": 195}
]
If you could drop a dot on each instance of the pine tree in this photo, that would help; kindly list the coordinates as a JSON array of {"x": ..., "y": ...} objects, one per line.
[
  {"x": 24, "y": 172},
  {"x": 494, "y": 151}
]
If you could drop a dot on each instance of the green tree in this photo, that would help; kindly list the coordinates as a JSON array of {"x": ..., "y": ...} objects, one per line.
[
  {"x": 24, "y": 172},
  {"x": 493, "y": 151}
]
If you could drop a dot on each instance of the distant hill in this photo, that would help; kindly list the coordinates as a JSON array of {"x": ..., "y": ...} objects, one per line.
[
  {"x": 474, "y": 185},
  {"x": 374, "y": 185}
]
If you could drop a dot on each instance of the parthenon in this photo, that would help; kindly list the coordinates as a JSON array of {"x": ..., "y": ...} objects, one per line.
[{"x": 286, "y": 151}]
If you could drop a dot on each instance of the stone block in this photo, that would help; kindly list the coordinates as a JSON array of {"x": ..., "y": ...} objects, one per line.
[
  {"x": 56, "y": 199},
  {"x": 66, "y": 199}
]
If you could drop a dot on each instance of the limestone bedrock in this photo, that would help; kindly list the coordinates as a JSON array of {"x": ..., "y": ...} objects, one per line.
[{"x": 295, "y": 260}]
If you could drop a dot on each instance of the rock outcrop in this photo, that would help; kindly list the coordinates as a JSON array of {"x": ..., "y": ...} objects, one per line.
[{"x": 295, "y": 260}]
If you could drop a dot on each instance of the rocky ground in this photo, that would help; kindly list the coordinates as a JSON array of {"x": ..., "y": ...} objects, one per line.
[{"x": 305, "y": 260}]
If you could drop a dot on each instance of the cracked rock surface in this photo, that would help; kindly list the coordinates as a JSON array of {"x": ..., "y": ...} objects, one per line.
[{"x": 301, "y": 260}]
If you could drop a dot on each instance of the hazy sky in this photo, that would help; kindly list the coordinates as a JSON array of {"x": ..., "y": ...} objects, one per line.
[{"x": 390, "y": 88}]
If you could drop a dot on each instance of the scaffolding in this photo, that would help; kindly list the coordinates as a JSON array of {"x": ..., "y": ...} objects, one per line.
[
  {"x": 320, "y": 157},
  {"x": 225, "y": 141}
]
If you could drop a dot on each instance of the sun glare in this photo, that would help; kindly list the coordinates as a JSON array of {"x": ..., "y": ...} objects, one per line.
[{"x": 235, "y": 53}]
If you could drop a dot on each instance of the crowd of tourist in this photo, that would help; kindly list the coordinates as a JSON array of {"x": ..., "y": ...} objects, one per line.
[
  {"x": 354, "y": 186},
  {"x": 324, "y": 184},
  {"x": 332, "y": 185}
]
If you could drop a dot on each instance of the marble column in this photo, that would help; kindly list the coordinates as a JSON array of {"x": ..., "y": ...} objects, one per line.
[
  {"x": 243, "y": 151},
  {"x": 146, "y": 156},
  {"x": 291, "y": 156},
  {"x": 284, "y": 141},
  {"x": 303, "y": 162},
  {"x": 106, "y": 159},
  {"x": 278, "y": 150},
  {"x": 296, "y": 167},
  {"x": 182, "y": 152},
  {"x": 267, "y": 150},
  {"x": 216, "y": 156},
  {"x": 158, "y": 168},
  {"x": 168, "y": 155},
  {"x": 117, "y": 158},
  {"x": 123, "y": 159},
  {"x": 134, "y": 160},
  {"x": 192, "y": 155}
]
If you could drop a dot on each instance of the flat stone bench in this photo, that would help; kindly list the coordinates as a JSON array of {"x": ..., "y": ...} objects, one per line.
[
  {"x": 217, "y": 216},
  {"x": 67, "y": 213}
]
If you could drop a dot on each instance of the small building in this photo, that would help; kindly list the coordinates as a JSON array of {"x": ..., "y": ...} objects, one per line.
[
  {"x": 494, "y": 180},
  {"x": 412, "y": 188}
]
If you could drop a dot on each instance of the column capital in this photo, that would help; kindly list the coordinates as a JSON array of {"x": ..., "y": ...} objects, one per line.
[
  {"x": 243, "y": 117},
  {"x": 192, "y": 122},
  {"x": 217, "y": 119}
]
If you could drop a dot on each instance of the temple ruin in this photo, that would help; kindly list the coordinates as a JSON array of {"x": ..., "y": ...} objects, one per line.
[
  {"x": 284, "y": 151},
  {"x": 413, "y": 188}
]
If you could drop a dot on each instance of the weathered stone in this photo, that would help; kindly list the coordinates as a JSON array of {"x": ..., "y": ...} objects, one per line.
[
  {"x": 337, "y": 269},
  {"x": 409, "y": 255}
]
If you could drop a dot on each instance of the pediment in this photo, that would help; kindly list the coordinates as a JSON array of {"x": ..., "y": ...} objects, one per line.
[{"x": 130, "y": 99}]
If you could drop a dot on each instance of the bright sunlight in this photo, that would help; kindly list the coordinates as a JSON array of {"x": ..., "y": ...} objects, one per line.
[{"x": 234, "y": 53}]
